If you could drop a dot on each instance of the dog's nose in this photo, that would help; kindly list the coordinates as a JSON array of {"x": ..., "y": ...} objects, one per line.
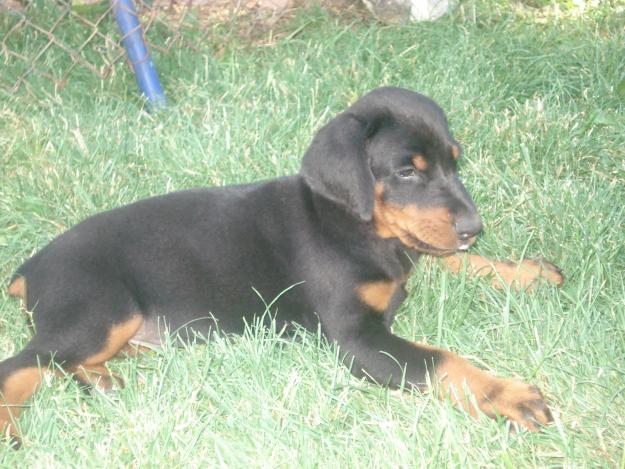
[{"x": 468, "y": 226}]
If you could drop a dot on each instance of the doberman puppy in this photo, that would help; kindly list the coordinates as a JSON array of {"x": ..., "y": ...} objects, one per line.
[{"x": 333, "y": 245}]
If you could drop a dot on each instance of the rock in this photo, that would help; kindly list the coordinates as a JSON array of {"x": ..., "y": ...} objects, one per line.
[
  {"x": 403, "y": 11},
  {"x": 274, "y": 5}
]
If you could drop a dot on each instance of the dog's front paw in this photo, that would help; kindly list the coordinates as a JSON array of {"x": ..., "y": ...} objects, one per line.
[
  {"x": 520, "y": 402},
  {"x": 523, "y": 275},
  {"x": 473, "y": 389},
  {"x": 530, "y": 270}
]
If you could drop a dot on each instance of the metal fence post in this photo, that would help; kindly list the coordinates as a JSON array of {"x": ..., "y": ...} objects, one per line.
[{"x": 134, "y": 42}]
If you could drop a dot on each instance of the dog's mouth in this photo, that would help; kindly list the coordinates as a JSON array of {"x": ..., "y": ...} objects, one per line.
[
  {"x": 422, "y": 246},
  {"x": 412, "y": 226},
  {"x": 467, "y": 243}
]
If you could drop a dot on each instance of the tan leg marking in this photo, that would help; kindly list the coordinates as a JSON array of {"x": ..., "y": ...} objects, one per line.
[
  {"x": 119, "y": 335},
  {"x": 519, "y": 402},
  {"x": 133, "y": 350},
  {"x": 377, "y": 295},
  {"x": 18, "y": 387},
  {"x": 92, "y": 370},
  {"x": 522, "y": 275},
  {"x": 97, "y": 376},
  {"x": 18, "y": 289}
]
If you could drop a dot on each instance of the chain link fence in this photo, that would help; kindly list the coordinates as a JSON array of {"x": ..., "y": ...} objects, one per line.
[{"x": 47, "y": 43}]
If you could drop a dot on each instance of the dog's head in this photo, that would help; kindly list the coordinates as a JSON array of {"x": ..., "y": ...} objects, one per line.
[{"x": 390, "y": 159}]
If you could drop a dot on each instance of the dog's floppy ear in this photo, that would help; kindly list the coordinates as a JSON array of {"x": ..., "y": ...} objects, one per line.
[
  {"x": 336, "y": 164},
  {"x": 337, "y": 167}
]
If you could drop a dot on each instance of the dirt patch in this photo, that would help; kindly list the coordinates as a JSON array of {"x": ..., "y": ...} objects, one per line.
[{"x": 252, "y": 19}]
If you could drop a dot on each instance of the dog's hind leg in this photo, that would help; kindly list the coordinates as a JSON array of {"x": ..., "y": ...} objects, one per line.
[
  {"x": 78, "y": 334},
  {"x": 20, "y": 376},
  {"x": 91, "y": 370}
]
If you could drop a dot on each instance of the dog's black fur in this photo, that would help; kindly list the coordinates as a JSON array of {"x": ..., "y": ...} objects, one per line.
[{"x": 332, "y": 246}]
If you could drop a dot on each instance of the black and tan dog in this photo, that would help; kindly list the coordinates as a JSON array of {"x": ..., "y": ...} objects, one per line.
[{"x": 378, "y": 187}]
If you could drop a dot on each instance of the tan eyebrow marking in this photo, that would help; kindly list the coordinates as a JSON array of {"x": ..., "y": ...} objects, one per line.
[
  {"x": 419, "y": 162},
  {"x": 455, "y": 151}
]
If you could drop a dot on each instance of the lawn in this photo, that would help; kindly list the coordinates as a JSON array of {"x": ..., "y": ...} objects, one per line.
[{"x": 536, "y": 97}]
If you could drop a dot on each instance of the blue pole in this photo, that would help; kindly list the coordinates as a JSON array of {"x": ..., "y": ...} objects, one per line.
[{"x": 134, "y": 42}]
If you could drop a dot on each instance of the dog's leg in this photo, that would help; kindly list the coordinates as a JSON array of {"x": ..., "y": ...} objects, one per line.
[
  {"x": 522, "y": 275},
  {"x": 20, "y": 376},
  {"x": 133, "y": 350},
  {"x": 97, "y": 376},
  {"x": 81, "y": 348},
  {"x": 379, "y": 355},
  {"x": 91, "y": 370}
]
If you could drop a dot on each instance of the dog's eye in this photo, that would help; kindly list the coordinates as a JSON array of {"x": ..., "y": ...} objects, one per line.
[{"x": 407, "y": 172}]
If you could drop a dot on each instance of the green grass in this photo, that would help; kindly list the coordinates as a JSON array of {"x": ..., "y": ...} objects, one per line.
[{"x": 534, "y": 98}]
